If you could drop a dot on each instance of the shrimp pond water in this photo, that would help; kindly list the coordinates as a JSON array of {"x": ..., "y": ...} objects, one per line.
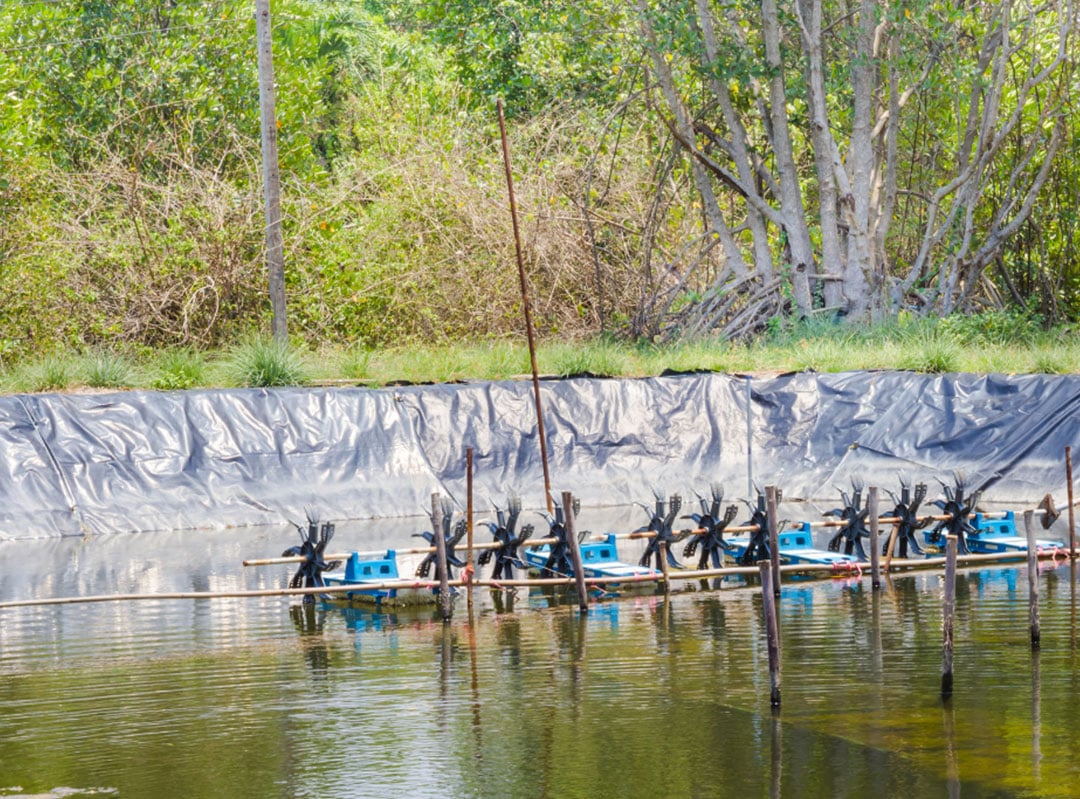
[{"x": 643, "y": 696}]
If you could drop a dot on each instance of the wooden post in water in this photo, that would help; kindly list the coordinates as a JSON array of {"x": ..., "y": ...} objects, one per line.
[
  {"x": 875, "y": 548},
  {"x": 772, "y": 630},
  {"x": 662, "y": 552},
  {"x": 575, "y": 550},
  {"x": 1033, "y": 578},
  {"x": 774, "y": 536},
  {"x": 947, "y": 611},
  {"x": 446, "y": 607},
  {"x": 1072, "y": 518}
]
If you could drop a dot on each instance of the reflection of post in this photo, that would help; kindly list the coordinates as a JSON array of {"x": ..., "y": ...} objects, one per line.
[
  {"x": 1033, "y": 579},
  {"x": 772, "y": 631},
  {"x": 575, "y": 550},
  {"x": 776, "y": 741},
  {"x": 952, "y": 765},
  {"x": 1036, "y": 718},
  {"x": 475, "y": 684},
  {"x": 1072, "y": 608},
  {"x": 445, "y": 606},
  {"x": 875, "y": 620},
  {"x": 948, "y": 607},
  {"x": 774, "y": 536},
  {"x": 446, "y": 649},
  {"x": 875, "y": 552}
]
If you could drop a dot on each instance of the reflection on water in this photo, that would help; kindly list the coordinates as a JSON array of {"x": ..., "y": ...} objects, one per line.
[{"x": 524, "y": 696}]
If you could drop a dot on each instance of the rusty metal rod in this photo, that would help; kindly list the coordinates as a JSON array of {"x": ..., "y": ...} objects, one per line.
[{"x": 526, "y": 306}]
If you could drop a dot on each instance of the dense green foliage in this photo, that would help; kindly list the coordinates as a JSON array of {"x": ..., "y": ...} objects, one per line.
[{"x": 131, "y": 214}]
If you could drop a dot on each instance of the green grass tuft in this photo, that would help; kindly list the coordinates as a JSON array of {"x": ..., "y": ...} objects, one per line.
[
  {"x": 262, "y": 363},
  {"x": 103, "y": 369},
  {"x": 179, "y": 369},
  {"x": 934, "y": 354}
]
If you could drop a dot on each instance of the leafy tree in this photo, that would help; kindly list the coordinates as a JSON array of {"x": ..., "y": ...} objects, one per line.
[
  {"x": 814, "y": 128},
  {"x": 531, "y": 52}
]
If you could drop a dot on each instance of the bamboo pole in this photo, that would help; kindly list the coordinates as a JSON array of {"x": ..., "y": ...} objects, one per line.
[
  {"x": 575, "y": 550},
  {"x": 1033, "y": 580},
  {"x": 685, "y": 574},
  {"x": 772, "y": 629},
  {"x": 534, "y": 542},
  {"x": 897, "y": 564},
  {"x": 526, "y": 306},
  {"x": 446, "y": 607},
  {"x": 947, "y": 611},
  {"x": 875, "y": 552}
]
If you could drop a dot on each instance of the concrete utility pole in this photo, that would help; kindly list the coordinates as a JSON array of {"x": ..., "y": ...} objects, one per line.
[{"x": 275, "y": 257}]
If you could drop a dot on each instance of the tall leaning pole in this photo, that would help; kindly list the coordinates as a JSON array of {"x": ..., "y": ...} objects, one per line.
[{"x": 275, "y": 250}]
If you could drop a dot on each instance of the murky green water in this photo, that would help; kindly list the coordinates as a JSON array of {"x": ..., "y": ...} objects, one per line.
[{"x": 644, "y": 696}]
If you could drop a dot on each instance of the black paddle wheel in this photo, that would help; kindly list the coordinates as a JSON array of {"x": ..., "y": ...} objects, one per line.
[
  {"x": 312, "y": 547},
  {"x": 958, "y": 506},
  {"x": 559, "y": 562},
  {"x": 664, "y": 514},
  {"x": 758, "y": 546},
  {"x": 906, "y": 511},
  {"x": 451, "y": 537},
  {"x": 711, "y": 540},
  {"x": 504, "y": 531},
  {"x": 848, "y": 539}
]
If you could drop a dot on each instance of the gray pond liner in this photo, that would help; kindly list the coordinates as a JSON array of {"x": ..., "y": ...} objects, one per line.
[{"x": 139, "y": 461}]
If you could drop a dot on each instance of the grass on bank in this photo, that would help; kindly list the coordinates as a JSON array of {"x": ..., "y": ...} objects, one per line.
[{"x": 923, "y": 346}]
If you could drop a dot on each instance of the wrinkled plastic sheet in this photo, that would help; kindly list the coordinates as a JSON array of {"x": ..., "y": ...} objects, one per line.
[{"x": 86, "y": 463}]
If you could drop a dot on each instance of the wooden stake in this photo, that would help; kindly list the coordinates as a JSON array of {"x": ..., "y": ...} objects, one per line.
[
  {"x": 772, "y": 630},
  {"x": 575, "y": 550},
  {"x": 774, "y": 536},
  {"x": 1033, "y": 580},
  {"x": 446, "y": 606},
  {"x": 891, "y": 547},
  {"x": 662, "y": 552},
  {"x": 1072, "y": 518},
  {"x": 947, "y": 611},
  {"x": 875, "y": 550},
  {"x": 469, "y": 523},
  {"x": 526, "y": 306}
]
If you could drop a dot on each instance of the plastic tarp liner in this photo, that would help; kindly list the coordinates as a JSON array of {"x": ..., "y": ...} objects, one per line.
[{"x": 73, "y": 464}]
